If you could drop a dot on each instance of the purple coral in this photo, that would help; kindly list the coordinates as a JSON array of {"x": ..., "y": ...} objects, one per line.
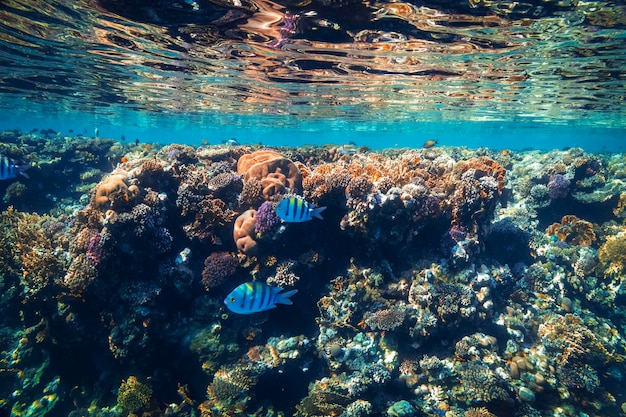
[
  {"x": 95, "y": 250},
  {"x": 266, "y": 219},
  {"x": 558, "y": 186},
  {"x": 217, "y": 267}
]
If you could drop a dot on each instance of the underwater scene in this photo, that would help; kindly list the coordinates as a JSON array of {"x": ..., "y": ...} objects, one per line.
[{"x": 311, "y": 208}]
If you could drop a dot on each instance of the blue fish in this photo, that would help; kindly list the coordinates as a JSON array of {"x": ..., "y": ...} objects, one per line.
[
  {"x": 296, "y": 210},
  {"x": 252, "y": 297},
  {"x": 9, "y": 169}
]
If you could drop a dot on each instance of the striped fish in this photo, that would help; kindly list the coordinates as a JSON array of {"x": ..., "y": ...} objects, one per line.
[
  {"x": 296, "y": 210},
  {"x": 9, "y": 169},
  {"x": 253, "y": 297}
]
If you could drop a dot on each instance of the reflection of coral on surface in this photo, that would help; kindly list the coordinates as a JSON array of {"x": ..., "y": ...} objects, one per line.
[{"x": 276, "y": 174}]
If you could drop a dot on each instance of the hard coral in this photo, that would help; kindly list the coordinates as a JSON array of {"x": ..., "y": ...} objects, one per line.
[
  {"x": 133, "y": 394},
  {"x": 113, "y": 192},
  {"x": 217, "y": 267},
  {"x": 612, "y": 255},
  {"x": 558, "y": 186},
  {"x": 267, "y": 220},
  {"x": 276, "y": 173},
  {"x": 244, "y": 231},
  {"x": 387, "y": 319}
]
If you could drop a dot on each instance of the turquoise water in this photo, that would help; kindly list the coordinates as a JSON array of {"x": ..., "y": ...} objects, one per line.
[{"x": 294, "y": 132}]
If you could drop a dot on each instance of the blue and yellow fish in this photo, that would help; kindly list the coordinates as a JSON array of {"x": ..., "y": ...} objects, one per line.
[
  {"x": 9, "y": 169},
  {"x": 296, "y": 210},
  {"x": 252, "y": 297}
]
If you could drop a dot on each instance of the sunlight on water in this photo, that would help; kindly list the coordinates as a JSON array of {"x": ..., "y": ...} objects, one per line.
[{"x": 316, "y": 66}]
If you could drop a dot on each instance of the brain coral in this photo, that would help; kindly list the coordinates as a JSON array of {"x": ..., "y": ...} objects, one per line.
[{"x": 276, "y": 173}]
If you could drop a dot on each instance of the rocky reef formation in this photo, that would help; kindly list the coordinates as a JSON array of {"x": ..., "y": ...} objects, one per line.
[{"x": 442, "y": 281}]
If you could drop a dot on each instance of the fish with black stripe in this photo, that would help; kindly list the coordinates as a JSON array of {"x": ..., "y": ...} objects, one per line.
[
  {"x": 253, "y": 297},
  {"x": 296, "y": 210},
  {"x": 9, "y": 169}
]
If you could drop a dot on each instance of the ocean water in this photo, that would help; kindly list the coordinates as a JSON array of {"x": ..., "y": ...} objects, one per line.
[{"x": 471, "y": 259}]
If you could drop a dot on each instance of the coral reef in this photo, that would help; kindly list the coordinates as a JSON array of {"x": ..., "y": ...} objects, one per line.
[
  {"x": 447, "y": 281},
  {"x": 244, "y": 232},
  {"x": 275, "y": 173},
  {"x": 133, "y": 394},
  {"x": 218, "y": 266}
]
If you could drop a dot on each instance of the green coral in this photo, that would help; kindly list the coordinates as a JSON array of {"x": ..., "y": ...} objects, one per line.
[
  {"x": 133, "y": 394},
  {"x": 29, "y": 252}
]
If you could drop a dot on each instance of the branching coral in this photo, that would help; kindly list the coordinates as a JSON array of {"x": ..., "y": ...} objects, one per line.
[
  {"x": 478, "y": 382},
  {"x": 386, "y": 319},
  {"x": 30, "y": 249},
  {"x": 571, "y": 340}
]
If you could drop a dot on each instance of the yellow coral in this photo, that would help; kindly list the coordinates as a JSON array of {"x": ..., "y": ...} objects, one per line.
[
  {"x": 612, "y": 255},
  {"x": 133, "y": 394}
]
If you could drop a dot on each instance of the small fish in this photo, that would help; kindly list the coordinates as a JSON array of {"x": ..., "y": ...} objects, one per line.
[
  {"x": 347, "y": 149},
  {"x": 252, "y": 297},
  {"x": 429, "y": 143},
  {"x": 231, "y": 142},
  {"x": 96, "y": 132},
  {"x": 9, "y": 169},
  {"x": 296, "y": 210}
]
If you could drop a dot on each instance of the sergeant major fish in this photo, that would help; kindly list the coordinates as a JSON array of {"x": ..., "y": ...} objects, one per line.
[
  {"x": 296, "y": 210},
  {"x": 9, "y": 169},
  {"x": 252, "y": 297}
]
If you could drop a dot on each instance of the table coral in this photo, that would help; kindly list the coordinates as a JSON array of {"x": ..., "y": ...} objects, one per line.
[{"x": 276, "y": 174}]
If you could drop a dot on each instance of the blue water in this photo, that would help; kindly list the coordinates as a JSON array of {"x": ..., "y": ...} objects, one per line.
[{"x": 287, "y": 131}]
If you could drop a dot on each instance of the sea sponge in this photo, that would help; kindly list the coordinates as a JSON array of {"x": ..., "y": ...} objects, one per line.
[
  {"x": 244, "y": 231},
  {"x": 276, "y": 173}
]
